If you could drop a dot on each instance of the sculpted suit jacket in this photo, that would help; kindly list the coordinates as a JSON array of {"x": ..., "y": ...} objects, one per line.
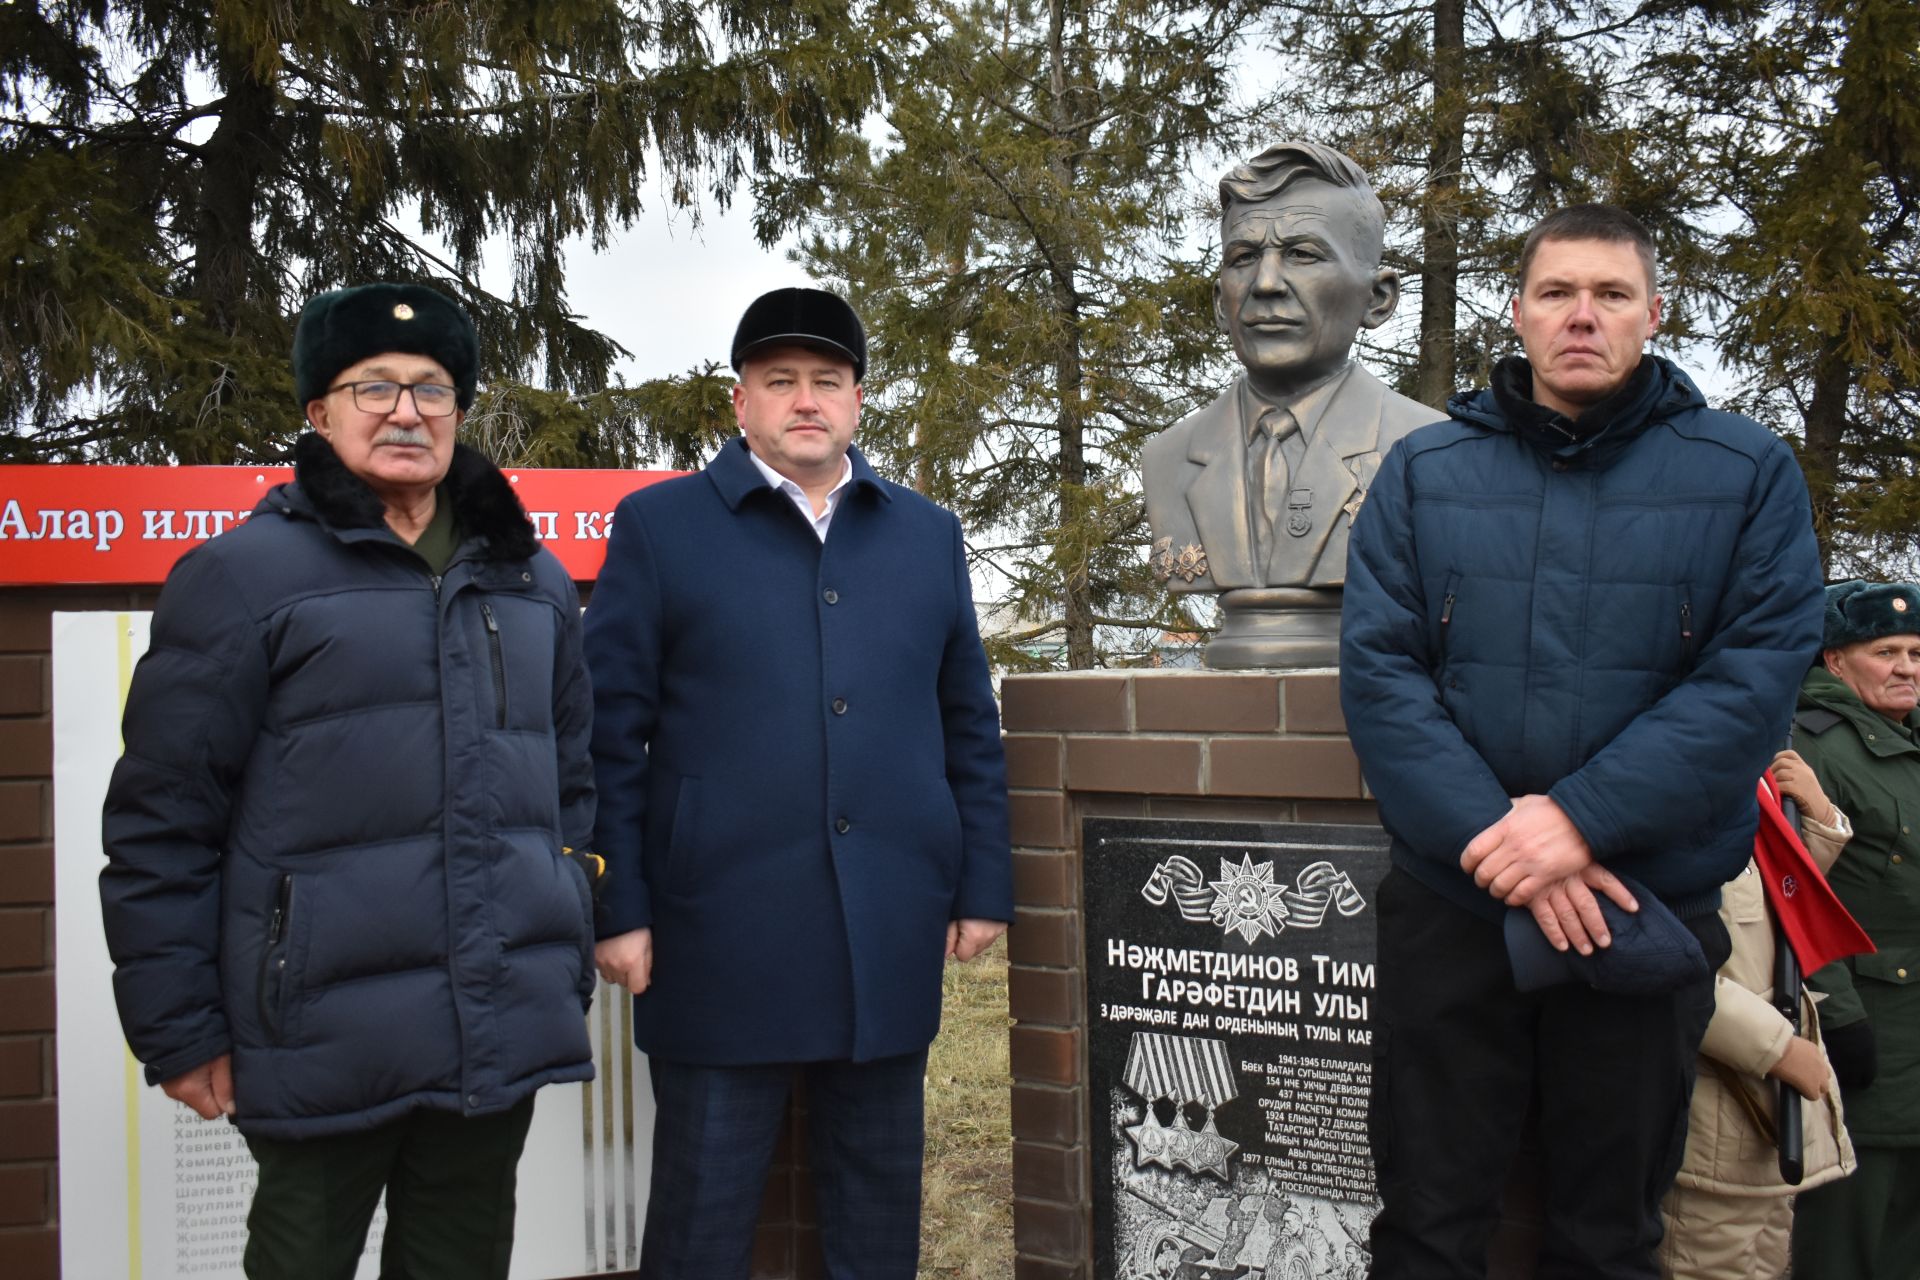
[
  {"x": 1203, "y": 500},
  {"x": 802, "y": 759}
]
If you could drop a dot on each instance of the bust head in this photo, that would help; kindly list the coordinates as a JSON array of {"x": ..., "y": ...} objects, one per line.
[{"x": 1301, "y": 234}]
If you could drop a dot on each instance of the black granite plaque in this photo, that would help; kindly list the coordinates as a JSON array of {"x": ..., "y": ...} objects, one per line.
[{"x": 1230, "y": 992}]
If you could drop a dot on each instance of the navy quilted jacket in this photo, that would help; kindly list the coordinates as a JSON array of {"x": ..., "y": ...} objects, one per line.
[
  {"x": 334, "y": 840},
  {"x": 1620, "y": 623}
]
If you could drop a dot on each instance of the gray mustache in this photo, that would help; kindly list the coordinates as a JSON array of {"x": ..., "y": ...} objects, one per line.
[{"x": 405, "y": 435}]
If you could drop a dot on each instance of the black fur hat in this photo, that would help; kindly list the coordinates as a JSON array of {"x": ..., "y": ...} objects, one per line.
[
  {"x": 344, "y": 326},
  {"x": 803, "y": 317},
  {"x": 1859, "y": 611}
]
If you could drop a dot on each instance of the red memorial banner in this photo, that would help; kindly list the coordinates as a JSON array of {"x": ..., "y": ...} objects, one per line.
[{"x": 127, "y": 525}]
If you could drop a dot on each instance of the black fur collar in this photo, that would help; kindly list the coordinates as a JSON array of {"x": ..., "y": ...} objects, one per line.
[{"x": 483, "y": 501}]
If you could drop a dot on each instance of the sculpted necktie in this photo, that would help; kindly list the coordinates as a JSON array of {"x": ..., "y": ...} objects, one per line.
[{"x": 1270, "y": 463}]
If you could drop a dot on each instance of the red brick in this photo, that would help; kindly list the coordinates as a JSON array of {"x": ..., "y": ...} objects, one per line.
[
  {"x": 1043, "y": 938},
  {"x": 23, "y": 938},
  {"x": 26, "y": 875},
  {"x": 23, "y": 1067},
  {"x": 1292, "y": 767},
  {"x": 1205, "y": 702},
  {"x": 1054, "y": 1231},
  {"x": 1054, "y": 701},
  {"x": 1137, "y": 766},
  {"x": 1042, "y": 1114},
  {"x": 30, "y": 1253},
  {"x": 29, "y": 1131},
  {"x": 26, "y": 1002},
  {"x": 1025, "y": 1268},
  {"x": 1033, "y": 761},
  {"x": 1044, "y": 995},
  {"x": 1313, "y": 705},
  {"x": 23, "y": 811},
  {"x": 1049, "y": 1173},
  {"x": 23, "y": 1195},
  {"x": 1044, "y": 1054},
  {"x": 1039, "y": 819},
  {"x": 26, "y": 748},
  {"x": 1045, "y": 880},
  {"x": 23, "y": 685}
]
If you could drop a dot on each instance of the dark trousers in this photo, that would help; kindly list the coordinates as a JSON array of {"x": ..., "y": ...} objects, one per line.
[
  {"x": 449, "y": 1181},
  {"x": 1460, "y": 1055},
  {"x": 1865, "y": 1226},
  {"x": 713, "y": 1137}
]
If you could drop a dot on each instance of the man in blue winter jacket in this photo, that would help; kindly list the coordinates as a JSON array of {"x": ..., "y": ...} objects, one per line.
[
  {"x": 803, "y": 805},
  {"x": 1575, "y": 618}
]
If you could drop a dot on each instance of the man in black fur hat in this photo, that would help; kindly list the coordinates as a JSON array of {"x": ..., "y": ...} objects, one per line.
[{"x": 356, "y": 753}]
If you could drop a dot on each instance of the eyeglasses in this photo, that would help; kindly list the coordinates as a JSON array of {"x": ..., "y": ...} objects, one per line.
[{"x": 430, "y": 399}]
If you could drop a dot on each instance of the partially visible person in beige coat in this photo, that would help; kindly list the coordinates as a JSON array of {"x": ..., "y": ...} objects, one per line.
[{"x": 1729, "y": 1215}]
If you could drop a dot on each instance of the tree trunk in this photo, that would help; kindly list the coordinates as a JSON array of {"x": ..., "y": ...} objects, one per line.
[
  {"x": 1826, "y": 420},
  {"x": 233, "y": 165},
  {"x": 1434, "y": 376},
  {"x": 1076, "y": 595}
]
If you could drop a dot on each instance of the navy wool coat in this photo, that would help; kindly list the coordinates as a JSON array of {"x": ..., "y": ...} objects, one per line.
[
  {"x": 798, "y": 761},
  {"x": 334, "y": 840}
]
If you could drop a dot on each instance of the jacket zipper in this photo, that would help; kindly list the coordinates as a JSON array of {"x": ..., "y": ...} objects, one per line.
[
  {"x": 499, "y": 666},
  {"x": 273, "y": 962},
  {"x": 1686, "y": 617}
]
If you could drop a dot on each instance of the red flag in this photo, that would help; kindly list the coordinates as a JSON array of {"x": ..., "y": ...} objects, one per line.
[{"x": 1815, "y": 923}]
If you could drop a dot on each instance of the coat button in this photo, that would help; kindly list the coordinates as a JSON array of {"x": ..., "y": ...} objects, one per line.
[
  {"x": 830, "y": 596},
  {"x": 1900, "y": 973},
  {"x": 842, "y": 826},
  {"x": 473, "y": 1099},
  {"x": 1896, "y": 859},
  {"x": 839, "y": 706}
]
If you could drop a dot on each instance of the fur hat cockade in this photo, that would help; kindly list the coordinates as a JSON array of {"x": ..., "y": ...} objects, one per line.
[
  {"x": 803, "y": 317},
  {"x": 1859, "y": 611},
  {"x": 344, "y": 326}
]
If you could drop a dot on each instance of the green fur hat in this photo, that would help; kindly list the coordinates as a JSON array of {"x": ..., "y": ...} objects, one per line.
[
  {"x": 1859, "y": 611},
  {"x": 344, "y": 326}
]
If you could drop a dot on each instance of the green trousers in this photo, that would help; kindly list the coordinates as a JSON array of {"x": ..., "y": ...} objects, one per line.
[
  {"x": 1863, "y": 1227},
  {"x": 449, "y": 1182}
]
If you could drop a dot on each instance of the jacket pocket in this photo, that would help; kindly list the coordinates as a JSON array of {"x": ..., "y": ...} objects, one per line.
[
  {"x": 1899, "y": 966},
  {"x": 1684, "y": 619},
  {"x": 274, "y": 980},
  {"x": 497, "y": 656},
  {"x": 681, "y": 858}
]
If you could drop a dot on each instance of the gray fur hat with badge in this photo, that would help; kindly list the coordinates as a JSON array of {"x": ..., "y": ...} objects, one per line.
[
  {"x": 1860, "y": 610},
  {"x": 342, "y": 327}
]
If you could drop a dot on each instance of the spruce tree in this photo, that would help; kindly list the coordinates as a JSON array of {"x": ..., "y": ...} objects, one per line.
[
  {"x": 177, "y": 177},
  {"x": 1022, "y": 245},
  {"x": 1814, "y": 115}
]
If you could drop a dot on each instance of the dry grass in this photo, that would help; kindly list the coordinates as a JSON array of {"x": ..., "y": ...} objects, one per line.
[{"x": 966, "y": 1228}]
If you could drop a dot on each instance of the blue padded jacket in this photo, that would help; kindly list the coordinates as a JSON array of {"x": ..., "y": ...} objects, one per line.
[
  {"x": 334, "y": 840},
  {"x": 1619, "y": 622}
]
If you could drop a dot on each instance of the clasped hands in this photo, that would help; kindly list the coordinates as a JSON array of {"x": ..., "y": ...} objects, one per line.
[
  {"x": 1536, "y": 858},
  {"x": 626, "y": 959}
]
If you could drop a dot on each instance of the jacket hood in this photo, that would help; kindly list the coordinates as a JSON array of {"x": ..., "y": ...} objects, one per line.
[
  {"x": 1667, "y": 391},
  {"x": 484, "y": 503}
]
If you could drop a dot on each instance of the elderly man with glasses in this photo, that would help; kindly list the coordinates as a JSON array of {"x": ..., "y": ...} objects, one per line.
[{"x": 337, "y": 894}]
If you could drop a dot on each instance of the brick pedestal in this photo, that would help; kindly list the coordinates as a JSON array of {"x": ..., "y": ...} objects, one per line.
[
  {"x": 1166, "y": 744},
  {"x": 1230, "y": 746}
]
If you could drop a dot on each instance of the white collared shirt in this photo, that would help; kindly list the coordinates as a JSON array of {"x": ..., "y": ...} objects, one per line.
[{"x": 801, "y": 500}]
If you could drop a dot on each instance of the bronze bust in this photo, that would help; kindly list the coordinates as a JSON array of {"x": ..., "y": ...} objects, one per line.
[{"x": 1254, "y": 494}]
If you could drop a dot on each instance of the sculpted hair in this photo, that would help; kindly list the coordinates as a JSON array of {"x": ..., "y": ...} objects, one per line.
[
  {"x": 1590, "y": 222},
  {"x": 1278, "y": 167}
]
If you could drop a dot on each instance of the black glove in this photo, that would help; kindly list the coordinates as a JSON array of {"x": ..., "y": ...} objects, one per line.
[{"x": 1852, "y": 1052}]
